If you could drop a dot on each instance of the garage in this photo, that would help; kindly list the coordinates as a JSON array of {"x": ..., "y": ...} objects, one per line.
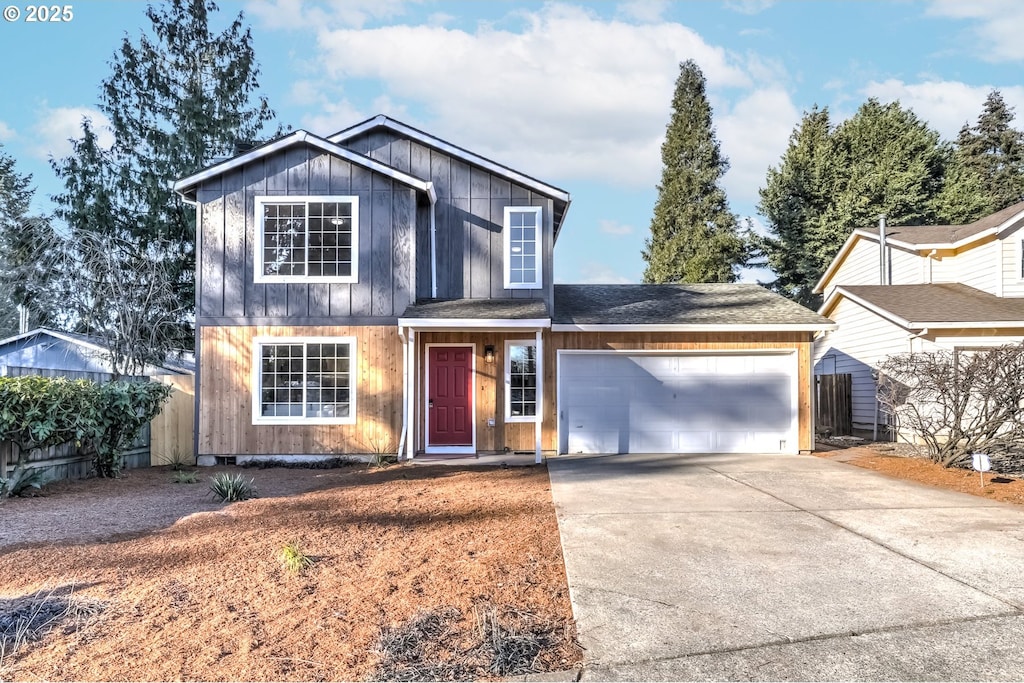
[{"x": 621, "y": 402}]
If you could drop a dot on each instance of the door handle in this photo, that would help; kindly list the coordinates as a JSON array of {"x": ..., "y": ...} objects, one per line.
[{"x": 430, "y": 403}]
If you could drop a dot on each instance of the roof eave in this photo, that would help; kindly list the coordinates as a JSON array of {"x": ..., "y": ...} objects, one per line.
[
  {"x": 474, "y": 323},
  {"x": 384, "y": 121},
  {"x": 694, "y": 327},
  {"x": 186, "y": 186}
]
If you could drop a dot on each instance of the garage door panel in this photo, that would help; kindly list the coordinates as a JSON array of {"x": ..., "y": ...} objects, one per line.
[{"x": 614, "y": 402}]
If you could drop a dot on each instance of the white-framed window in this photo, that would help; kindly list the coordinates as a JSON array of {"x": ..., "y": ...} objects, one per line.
[
  {"x": 307, "y": 239},
  {"x": 521, "y": 381},
  {"x": 522, "y": 231},
  {"x": 304, "y": 380}
]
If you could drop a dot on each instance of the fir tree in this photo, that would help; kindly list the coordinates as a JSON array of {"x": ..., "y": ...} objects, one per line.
[
  {"x": 994, "y": 151},
  {"x": 694, "y": 236},
  {"x": 177, "y": 97}
]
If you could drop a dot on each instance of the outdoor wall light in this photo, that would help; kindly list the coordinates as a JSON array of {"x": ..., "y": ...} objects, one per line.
[{"x": 489, "y": 354}]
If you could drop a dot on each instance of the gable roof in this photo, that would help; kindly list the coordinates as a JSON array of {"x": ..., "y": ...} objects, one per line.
[
  {"x": 186, "y": 187},
  {"x": 927, "y": 237},
  {"x": 560, "y": 196},
  {"x": 690, "y": 307},
  {"x": 177, "y": 364},
  {"x": 946, "y": 305}
]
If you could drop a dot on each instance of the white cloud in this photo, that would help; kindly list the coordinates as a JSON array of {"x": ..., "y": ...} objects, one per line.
[
  {"x": 945, "y": 105},
  {"x": 614, "y": 228},
  {"x": 749, "y": 6},
  {"x": 560, "y": 93},
  {"x": 644, "y": 11},
  {"x": 997, "y": 25},
  {"x": 595, "y": 273},
  {"x": 297, "y": 14},
  {"x": 754, "y": 134},
  {"x": 6, "y": 132},
  {"x": 57, "y": 126}
]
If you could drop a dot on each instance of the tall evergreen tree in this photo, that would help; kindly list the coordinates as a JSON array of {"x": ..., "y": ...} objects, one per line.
[
  {"x": 24, "y": 279},
  {"x": 694, "y": 236},
  {"x": 994, "y": 151},
  {"x": 178, "y": 96},
  {"x": 793, "y": 202},
  {"x": 882, "y": 160}
]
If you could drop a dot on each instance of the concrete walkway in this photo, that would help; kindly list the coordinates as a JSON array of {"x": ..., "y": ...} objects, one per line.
[{"x": 732, "y": 567}]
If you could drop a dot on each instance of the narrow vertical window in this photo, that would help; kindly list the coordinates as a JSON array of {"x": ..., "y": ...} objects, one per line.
[
  {"x": 520, "y": 381},
  {"x": 522, "y": 231}
]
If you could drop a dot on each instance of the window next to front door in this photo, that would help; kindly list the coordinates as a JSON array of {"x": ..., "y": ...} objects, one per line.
[{"x": 520, "y": 381}]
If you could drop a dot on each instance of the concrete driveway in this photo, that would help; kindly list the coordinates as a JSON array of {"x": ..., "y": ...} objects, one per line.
[{"x": 785, "y": 567}]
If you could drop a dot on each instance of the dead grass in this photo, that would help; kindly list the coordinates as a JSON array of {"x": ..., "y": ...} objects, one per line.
[{"x": 420, "y": 571}]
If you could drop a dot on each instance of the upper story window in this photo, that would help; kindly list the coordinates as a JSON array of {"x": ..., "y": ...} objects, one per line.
[
  {"x": 522, "y": 232},
  {"x": 304, "y": 239}
]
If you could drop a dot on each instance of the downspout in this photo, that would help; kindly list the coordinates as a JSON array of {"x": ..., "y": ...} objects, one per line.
[
  {"x": 883, "y": 271},
  {"x": 405, "y": 391},
  {"x": 432, "y": 195},
  {"x": 931, "y": 259}
]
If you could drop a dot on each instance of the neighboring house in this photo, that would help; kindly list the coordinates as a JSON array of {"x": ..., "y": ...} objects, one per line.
[
  {"x": 385, "y": 289},
  {"x": 43, "y": 349},
  {"x": 928, "y": 287}
]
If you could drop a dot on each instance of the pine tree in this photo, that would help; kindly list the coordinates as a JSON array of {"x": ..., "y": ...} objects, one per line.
[
  {"x": 178, "y": 96},
  {"x": 994, "y": 151},
  {"x": 694, "y": 236},
  {"x": 793, "y": 201}
]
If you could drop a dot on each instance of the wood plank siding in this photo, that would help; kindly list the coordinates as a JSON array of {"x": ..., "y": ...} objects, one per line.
[
  {"x": 490, "y": 386},
  {"x": 388, "y": 213},
  {"x": 226, "y": 378},
  {"x": 470, "y": 216}
]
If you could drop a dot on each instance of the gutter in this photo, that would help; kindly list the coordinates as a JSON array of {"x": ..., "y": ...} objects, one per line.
[{"x": 432, "y": 195}]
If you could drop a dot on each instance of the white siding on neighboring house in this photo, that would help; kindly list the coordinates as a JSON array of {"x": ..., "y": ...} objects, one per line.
[
  {"x": 976, "y": 267},
  {"x": 862, "y": 340},
  {"x": 1013, "y": 283},
  {"x": 905, "y": 267},
  {"x": 860, "y": 267}
]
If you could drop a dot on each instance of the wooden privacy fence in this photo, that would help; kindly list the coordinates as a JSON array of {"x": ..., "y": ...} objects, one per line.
[
  {"x": 833, "y": 411},
  {"x": 170, "y": 432}
]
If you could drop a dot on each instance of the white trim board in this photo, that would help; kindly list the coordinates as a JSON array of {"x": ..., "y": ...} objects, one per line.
[
  {"x": 448, "y": 148},
  {"x": 682, "y": 327},
  {"x": 184, "y": 185}
]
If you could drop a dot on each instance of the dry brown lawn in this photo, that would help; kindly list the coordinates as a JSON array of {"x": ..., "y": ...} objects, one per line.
[{"x": 452, "y": 564}]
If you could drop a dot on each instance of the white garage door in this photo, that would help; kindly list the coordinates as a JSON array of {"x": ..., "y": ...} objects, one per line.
[{"x": 657, "y": 403}]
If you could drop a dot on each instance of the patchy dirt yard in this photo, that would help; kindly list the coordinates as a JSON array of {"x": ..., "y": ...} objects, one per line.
[
  {"x": 418, "y": 572},
  {"x": 881, "y": 458}
]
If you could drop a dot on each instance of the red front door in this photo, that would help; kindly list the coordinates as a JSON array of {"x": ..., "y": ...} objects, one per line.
[{"x": 450, "y": 401}]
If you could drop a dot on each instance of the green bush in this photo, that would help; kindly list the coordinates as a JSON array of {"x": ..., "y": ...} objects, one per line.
[
  {"x": 230, "y": 488},
  {"x": 293, "y": 558},
  {"x": 101, "y": 419},
  {"x": 185, "y": 477}
]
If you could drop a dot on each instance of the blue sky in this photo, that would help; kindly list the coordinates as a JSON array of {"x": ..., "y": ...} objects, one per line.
[{"x": 576, "y": 94}]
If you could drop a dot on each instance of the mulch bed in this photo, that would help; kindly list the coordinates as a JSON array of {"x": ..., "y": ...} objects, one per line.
[{"x": 418, "y": 572}]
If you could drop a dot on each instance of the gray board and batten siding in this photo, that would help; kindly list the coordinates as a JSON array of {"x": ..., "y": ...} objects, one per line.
[
  {"x": 470, "y": 215},
  {"x": 227, "y": 291}
]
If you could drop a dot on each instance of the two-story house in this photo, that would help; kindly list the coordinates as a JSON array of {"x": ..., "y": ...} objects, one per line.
[
  {"x": 920, "y": 288},
  {"x": 383, "y": 289}
]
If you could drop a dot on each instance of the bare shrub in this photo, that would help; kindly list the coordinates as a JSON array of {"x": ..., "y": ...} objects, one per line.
[{"x": 957, "y": 402}]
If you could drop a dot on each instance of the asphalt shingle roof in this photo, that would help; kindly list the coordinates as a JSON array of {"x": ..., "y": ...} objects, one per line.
[
  {"x": 689, "y": 304},
  {"x": 468, "y": 309},
  {"x": 947, "y": 234},
  {"x": 940, "y": 303}
]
